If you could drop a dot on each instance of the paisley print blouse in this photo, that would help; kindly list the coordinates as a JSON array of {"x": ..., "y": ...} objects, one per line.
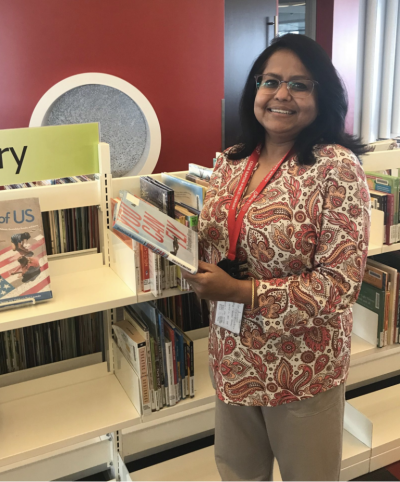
[{"x": 305, "y": 239}]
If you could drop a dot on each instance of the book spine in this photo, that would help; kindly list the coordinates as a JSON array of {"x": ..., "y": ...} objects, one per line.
[
  {"x": 170, "y": 373},
  {"x": 187, "y": 368},
  {"x": 150, "y": 371},
  {"x": 145, "y": 268},
  {"x": 163, "y": 358},
  {"x": 145, "y": 395},
  {"x": 154, "y": 371},
  {"x": 391, "y": 228},
  {"x": 191, "y": 390}
]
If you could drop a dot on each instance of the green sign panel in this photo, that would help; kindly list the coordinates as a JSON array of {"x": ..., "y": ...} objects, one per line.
[{"x": 39, "y": 153}]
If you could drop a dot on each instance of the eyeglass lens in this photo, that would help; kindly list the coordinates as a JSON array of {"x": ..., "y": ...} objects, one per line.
[{"x": 297, "y": 88}]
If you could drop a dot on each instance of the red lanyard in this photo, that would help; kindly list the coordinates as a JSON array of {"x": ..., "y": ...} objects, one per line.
[{"x": 235, "y": 223}]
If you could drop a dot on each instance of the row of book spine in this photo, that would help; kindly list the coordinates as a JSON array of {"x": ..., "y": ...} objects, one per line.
[
  {"x": 74, "y": 229},
  {"x": 162, "y": 356},
  {"x": 51, "y": 342}
]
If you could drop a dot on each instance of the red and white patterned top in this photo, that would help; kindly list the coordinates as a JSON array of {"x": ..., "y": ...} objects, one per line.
[{"x": 305, "y": 239}]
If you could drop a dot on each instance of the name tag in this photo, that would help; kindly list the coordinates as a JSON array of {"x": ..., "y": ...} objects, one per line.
[{"x": 229, "y": 315}]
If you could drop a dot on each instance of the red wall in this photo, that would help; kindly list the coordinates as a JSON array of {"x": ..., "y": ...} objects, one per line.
[
  {"x": 345, "y": 49},
  {"x": 324, "y": 25},
  {"x": 337, "y": 33},
  {"x": 171, "y": 50}
]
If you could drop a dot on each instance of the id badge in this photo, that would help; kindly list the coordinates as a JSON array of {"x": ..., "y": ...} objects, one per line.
[{"x": 228, "y": 315}]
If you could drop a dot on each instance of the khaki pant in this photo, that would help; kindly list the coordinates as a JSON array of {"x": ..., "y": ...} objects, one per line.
[{"x": 305, "y": 437}]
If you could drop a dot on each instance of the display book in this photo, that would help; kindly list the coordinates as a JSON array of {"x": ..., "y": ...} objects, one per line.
[
  {"x": 67, "y": 230},
  {"x": 56, "y": 341},
  {"x": 24, "y": 269},
  {"x": 160, "y": 354}
]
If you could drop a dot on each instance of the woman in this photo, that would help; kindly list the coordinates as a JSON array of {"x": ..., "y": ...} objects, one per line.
[{"x": 280, "y": 372}]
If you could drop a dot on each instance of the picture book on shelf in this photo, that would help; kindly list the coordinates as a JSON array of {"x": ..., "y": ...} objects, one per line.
[
  {"x": 24, "y": 270},
  {"x": 160, "y": 233},
  {"x": 185, "y": 191}
]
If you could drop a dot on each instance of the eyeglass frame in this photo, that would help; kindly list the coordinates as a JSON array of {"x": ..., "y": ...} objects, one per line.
[{"x": 314, "y": 82}]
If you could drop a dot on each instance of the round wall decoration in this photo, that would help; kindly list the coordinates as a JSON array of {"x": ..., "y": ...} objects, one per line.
[{"x": 128, "y": 122}]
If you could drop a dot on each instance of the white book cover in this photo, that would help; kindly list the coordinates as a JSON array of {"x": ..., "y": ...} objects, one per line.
[
  {"x": 159, "y": 232},
  {"x": 24, "y": 269}
]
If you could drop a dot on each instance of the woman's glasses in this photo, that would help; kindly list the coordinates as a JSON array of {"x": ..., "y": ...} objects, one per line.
[{"x": 297, "y": 88}]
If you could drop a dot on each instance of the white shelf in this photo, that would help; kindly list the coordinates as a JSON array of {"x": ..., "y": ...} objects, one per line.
[
  {"x": 40, "y": 416},
  {"x": 369, "y": 363},
  {"x": 374, "y": 249},
  {"x": 60, "y": 196},
  {"x": 80, "y": 285},
  {"x": 359, "y": 345},
  {"x": 388, "y": 248},
  {"x": 382, "y": 408}
]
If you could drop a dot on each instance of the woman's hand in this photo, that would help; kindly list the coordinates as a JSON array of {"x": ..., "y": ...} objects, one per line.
[{"x": 213, "y": 283}]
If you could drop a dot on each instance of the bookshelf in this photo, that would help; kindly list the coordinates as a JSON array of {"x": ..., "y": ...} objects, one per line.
[{"x": 58, "y": 416}]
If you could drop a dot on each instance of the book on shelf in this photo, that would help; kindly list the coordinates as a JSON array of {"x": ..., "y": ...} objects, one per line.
[
  {"x": 155, "y": 230},
  {"x": 197, "y": 180},
  {"x": 157, "y": 194},
  {"x": 24, "y": 269},
  {"x": 201, "y": 171},
  {"x": 168, "y": 351},
  {"x": 52, "y": 342},
  {"x": 389, "y": 185},
  {"x": 392, "y": 288},
  {"x": 371, "y": 307},
  {"x": 391, "y": 260},
  {"x": 185, "y": 191},
  {"x": 133, "y": 346}
]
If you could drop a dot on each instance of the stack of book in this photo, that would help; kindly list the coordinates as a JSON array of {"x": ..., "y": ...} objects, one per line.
[
  {"x": 38, "y": 345},
  {"x": 160, "y": 354},
  {"x": 378, "y": 303}
]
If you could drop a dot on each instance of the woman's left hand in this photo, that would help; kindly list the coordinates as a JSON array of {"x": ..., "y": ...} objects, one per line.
[{"x": 213, "y": 283}]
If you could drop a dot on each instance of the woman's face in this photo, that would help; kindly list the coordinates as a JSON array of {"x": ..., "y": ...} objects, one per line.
[{"x": 297, "y": 113}]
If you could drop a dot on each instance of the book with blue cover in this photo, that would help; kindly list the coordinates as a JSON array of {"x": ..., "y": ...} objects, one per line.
[
  {"x": 161, "y": 234},
  {"x": 185, "y": 191},
  {"x": 24, "y": 270}
]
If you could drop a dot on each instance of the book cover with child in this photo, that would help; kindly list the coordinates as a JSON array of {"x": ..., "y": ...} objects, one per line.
[{"x": 24, "y": 270}]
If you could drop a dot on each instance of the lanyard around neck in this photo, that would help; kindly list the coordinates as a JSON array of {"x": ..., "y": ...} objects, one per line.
[{"x": 235, "y": 223}]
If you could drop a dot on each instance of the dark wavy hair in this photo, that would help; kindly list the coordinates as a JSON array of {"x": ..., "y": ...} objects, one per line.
[{"x": 327, "y": 128}]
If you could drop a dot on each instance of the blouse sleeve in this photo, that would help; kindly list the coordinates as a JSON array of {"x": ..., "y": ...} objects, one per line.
[{"x": 338, "y": 227}]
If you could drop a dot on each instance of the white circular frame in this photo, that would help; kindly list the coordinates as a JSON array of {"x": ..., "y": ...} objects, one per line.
[{"x": 152, "y": 149}]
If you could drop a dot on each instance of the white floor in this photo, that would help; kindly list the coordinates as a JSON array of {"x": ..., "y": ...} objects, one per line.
[{"x": 196, "y": 466}]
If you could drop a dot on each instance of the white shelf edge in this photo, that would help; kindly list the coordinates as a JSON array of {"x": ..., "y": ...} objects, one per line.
[
  {"x": 165, "y": 294},
  {"x": 60, "y": 196}
]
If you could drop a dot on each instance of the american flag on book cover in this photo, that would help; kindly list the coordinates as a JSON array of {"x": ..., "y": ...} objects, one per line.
[
  {"x": 12, "y": 285},
  {"x": 24, "y": 269}
]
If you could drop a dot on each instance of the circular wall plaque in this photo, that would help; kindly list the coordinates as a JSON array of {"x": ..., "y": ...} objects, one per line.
[{"x": 127, "y": 120}]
